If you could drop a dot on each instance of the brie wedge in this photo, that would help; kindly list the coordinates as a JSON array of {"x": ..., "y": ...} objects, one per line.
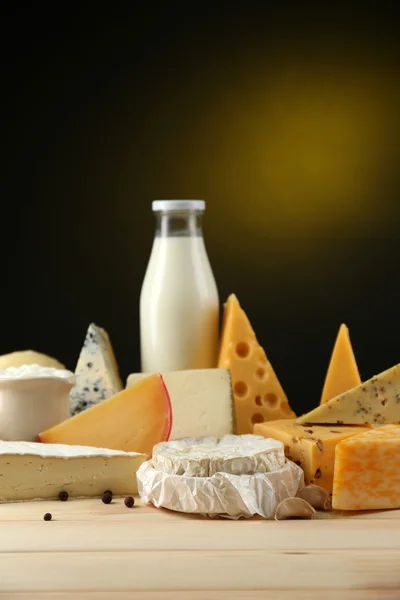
[
  {"x": 203, "y": 457},
  {"x": 32, "y": 471}
]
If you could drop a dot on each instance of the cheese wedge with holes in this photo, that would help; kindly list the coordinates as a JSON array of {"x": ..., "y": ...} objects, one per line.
[
  {"x": 201, "y": 400},
  {"x": 310, "y": 447},
  {"x": 342, "y": 372},
  {"x": 376, "y": 402},
  {"x": 30, "y": 471},
  {"x": 258, "y": 394},
  {"x": 367, "y": 471}
]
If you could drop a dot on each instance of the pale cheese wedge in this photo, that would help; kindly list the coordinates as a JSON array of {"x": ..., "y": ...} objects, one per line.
[
  {"x": 32, "y": 471},
  {"x": 375, "y": 402}
]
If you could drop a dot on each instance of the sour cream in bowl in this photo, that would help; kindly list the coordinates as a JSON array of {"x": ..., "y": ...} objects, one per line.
[{"x": 32, "y": 399}]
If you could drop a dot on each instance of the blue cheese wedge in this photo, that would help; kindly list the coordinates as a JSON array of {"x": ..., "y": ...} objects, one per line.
[
  {"x": 202, "y": 402},
  {"x": 97, "y": 376},
  {"x": 33, "y": 471},
  {"x": 234, "y": 454}
]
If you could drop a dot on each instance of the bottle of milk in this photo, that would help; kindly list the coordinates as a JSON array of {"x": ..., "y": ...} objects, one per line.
[{"x": 179, "y": 304}]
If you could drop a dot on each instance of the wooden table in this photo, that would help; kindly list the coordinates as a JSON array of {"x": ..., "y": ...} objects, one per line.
[{"x": 115, "y": 553}]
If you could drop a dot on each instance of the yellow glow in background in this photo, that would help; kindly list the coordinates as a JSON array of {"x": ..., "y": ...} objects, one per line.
[{"x": 293, "y": 147}]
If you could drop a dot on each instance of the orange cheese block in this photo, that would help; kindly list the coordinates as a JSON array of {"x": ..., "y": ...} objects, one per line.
[
  {"x": 311, "y": 447},
  {"x": 367, "y": 470},
  {"x": 258, "y": 394},
  {"x": 133, "y": 420},
  {"x": 342, "y": 372}
]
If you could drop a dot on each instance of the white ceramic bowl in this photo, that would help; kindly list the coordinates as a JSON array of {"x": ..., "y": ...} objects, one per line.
[{"x": 32, "y": 399}]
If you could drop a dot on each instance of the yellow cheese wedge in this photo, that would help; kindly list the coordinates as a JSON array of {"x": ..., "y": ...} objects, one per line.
[
  {"x": 133, "y": 420},
  {"x": 367, "y": 471},
  {"x": 342, "y": 372},
  {"x": 376, "y": 402},
  {"x": 311, "y": 447},
  {"x": 258, "y": 394}
]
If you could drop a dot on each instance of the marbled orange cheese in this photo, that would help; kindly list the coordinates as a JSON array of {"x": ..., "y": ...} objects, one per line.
[
  {"x": 367, "y": 470},
  {"x": 342, "y": 372},
  {"x": 258, "y": 394},
  {"x": 312, "y": 447}
]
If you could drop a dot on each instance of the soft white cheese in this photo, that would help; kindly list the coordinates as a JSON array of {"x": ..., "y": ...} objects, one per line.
[
  {"x": 203, "y": 457},
  {"x": 32, "y": 399},
  {"x": 59, "y": 450},
  {"x": 36, "y": 372},
  {"x": 202, "y": 402},
  {"x": 30, "y": 471}
]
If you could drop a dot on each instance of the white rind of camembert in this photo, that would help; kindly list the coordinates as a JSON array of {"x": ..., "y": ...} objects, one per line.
[
  {"x": 234, "y": 454},
  {"x": 33, "y": 471}
]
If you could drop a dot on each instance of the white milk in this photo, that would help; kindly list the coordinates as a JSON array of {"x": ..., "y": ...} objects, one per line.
[{"x": 179, "y": 304}]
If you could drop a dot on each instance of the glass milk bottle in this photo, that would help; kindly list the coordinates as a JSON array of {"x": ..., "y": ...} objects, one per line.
[{"x": 179, "y": 304}]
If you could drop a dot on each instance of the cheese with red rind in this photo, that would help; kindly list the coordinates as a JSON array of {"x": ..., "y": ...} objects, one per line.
[{"x": 133, "y": 420}]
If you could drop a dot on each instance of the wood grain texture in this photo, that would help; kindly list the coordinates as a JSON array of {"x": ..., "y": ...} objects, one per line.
[
  {"x": 209, "y": 595},
  {"x": 94, "y": 549}
]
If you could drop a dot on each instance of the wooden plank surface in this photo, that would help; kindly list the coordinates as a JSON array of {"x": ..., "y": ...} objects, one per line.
[{"x": 97, "y": 549}]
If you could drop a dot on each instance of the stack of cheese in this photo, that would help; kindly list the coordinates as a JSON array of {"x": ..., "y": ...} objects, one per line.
[
  {"x": 236, "y": 476},
  {"x": 337, "y": 445}
]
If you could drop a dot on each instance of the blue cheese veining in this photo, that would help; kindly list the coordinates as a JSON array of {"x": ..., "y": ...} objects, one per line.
[{"x": 97, "y": 376}]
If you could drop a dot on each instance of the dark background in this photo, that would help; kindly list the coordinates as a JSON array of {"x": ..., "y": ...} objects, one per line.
[{"x": 285, "y": 120}]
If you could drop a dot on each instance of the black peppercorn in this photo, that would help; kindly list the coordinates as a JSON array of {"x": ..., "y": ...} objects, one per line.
[
  {"x": 129, "y": 501},
  {"x": 108, "y": 492},
  {"x": 47, "y": 517},
  {"x": 63, "y": 496},
  {"x": 107, "y": 498}
]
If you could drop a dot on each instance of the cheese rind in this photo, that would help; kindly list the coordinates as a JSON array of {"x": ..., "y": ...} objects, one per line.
[
  {"x": 367, "y": 471},
  {"x": 133, "y": 420},
  {"x": 97, "y": 376},
  {"x": 32, "y": 471},
  {"x": 258, "y": 394},
  {"x": 311, "y": 447},
  {"x": 202, "y": 402},
  {"x": 203, "y": 457},
  {"x": 375, "y": 402},
  {"x": 342, "y": 372}
]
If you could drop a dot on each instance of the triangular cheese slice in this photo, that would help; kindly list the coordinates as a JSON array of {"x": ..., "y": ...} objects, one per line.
[
  {"x": 342, "y": 372},
  {"x": 97, "y": 376},
  {"x": 133, "y": 421},
  {"x": 258, "y": 394},
  {"x": 375, "y": 402}
]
